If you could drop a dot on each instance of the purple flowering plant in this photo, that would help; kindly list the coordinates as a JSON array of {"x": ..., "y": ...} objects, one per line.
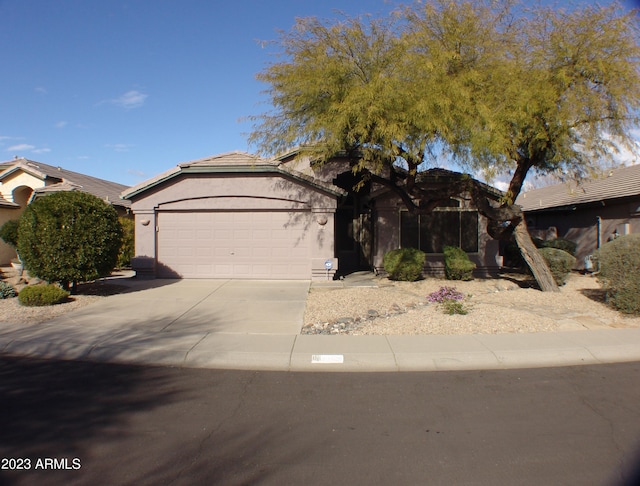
[
  {"x": 450, "y": 300},
  {"x": 445, "y": 293}
]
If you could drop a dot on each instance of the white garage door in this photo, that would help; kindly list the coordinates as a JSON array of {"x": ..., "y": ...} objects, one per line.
[{"x": 270, "y": 245}]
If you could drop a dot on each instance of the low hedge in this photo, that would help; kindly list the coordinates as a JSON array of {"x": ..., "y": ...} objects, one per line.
[
  {"x": 404, "y": 264},
  {"x": 457, "y": 265},
  {"x": 560, "y": 263},
  {"x": 41, "y": 295}
]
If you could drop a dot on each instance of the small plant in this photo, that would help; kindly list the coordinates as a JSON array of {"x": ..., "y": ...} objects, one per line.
[
  {"x": 451, "y": 301},
  {"x": 560, "y": 263},
  {"x": 7, "y": 291},
  {"x": 451, "y": 307},
  {"x": 404, "y": 264},
  {"x": 41, "y": 295},
  {"x": 457, "y": 265},
  {"x": 445, "y": 293}
]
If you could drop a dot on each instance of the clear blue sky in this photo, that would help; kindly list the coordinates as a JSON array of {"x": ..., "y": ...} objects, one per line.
[{"x": 126, "y": 89}]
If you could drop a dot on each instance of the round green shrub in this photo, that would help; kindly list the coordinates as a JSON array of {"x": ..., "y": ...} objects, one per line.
[
  {"x": 619, "y": 262},
  {"x": 69, "y": 237},
  {"x": 6, "y": 290},
  {"x": 560, "y": 263},
  {"x": 457, "y": 265},
  {"x": 561, "y": 244},
  {"x": 9, "y": 232},
  {"x": 404, "y": 264},
  {"x": 41, "y": 295},
  {"x": 513, "y": 257}
]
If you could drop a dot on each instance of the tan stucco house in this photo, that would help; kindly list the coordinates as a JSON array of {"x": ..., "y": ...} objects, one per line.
[
  {"x": 237, "y": 215},
  {"x": 590, "y": 213},
  {"x": 22, "y": 180}
]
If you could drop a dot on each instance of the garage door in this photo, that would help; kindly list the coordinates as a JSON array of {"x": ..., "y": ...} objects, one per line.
[{"x": 270, "y": 245}]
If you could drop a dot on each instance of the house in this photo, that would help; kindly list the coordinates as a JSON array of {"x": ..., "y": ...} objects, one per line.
[
  {"x": 237, "y": 215},
  {"x": 23, "y": 180},
  {"x": 590, "y": 213}
]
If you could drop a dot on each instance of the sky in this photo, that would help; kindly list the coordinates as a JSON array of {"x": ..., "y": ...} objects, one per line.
[{"x": 126, "y": 89}]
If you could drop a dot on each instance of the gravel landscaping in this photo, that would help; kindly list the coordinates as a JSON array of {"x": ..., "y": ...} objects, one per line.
[{"x": 506, "y": 304}]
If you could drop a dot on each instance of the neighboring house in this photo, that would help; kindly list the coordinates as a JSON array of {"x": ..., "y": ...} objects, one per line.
[
  {"x": 590, "y": 213},
  {"x": 23, "y": 180},
  {"x": 236, "y": 215}
]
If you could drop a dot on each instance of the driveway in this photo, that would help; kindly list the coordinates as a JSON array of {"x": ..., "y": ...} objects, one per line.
[{"x": 164, "y": 320}]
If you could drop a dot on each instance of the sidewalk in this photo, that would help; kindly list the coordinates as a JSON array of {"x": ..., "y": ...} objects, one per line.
[{"x": 255, "y": 325}]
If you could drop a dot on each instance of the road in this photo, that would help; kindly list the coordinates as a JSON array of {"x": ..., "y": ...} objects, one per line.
[{"x": 79, "y": 423}]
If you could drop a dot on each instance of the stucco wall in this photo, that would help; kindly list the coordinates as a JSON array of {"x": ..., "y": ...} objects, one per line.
[
  {"x": 245, "y": 192},
  {"x": 581, "y": 225},
  {"x": 387, "y": 237},
  {"x": 17, "y": 188}
]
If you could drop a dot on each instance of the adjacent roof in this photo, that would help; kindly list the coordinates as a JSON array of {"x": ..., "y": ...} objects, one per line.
[
  {"x": 59, "y": 179},
  {"x": 7, "y": 204},
  {"x": 614, "y": 184},
  {"x": 230, "y": 162}
]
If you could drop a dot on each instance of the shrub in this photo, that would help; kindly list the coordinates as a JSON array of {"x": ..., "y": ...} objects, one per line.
[
  {"x": 450, "y": 300},
  {"x": 513, "y": 257},
  {"x": 6, "y": 290},
  {"x": 404, "y": 264},
  {"x": 40, "y": 295},
  {"x": 69, "y": 237},
  {"x": 619, "y": 262},
  {"x": 560, "y": 263},
  {"x": 127, "y": 249},
  {"x": 561, "y": 244},
  {"x": 457, "y": 265},
  {"x": 9, "y": 232}
]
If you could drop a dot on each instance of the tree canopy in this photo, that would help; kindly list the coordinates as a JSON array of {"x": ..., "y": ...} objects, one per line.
[{"x": 498, "y": 87}]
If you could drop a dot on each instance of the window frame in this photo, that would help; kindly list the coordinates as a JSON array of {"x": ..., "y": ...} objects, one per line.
[{"x": 442, "y": 209}]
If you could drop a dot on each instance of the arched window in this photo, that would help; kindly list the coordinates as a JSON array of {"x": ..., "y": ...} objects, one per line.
[{"x": 448, "y": 225}]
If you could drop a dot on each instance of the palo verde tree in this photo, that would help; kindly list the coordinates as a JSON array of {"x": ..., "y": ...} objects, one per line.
[
  {"x": 497, "y": 87},
  {"x": 69, "y": 237}
]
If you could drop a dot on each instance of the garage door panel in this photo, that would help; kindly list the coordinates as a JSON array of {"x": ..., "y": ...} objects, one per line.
[{"x": 234, "y": 244}]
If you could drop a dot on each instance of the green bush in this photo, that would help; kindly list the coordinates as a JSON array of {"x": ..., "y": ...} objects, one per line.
[
  {"x": 619, "y": 262},
  {"x": 9, "y": 232},
  {"x": 127, "y": 249},
  {"x": 40, "y": 295},
  {"x": 6, "y": 290},
  {"x": 513, "y": 257},
  {"x": 457, "y": 265},
  {"x": 404, "y": 264},
  {"x": 561, "y": 244},
  {"x": 560, "y": 263},
  {"x": 69, "y": 237}
]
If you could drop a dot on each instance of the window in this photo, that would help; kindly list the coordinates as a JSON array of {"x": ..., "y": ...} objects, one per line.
[{"x": 447, "y": 225}]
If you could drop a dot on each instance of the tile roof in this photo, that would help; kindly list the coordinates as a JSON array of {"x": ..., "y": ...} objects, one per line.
[
  {"x": 7, "y": 204},
  {"x": 229, "y": 162},
  {"x": 613, "y": 184},
  {"x": 65, "y": 180},
  {"x": 235, "y": 158}
]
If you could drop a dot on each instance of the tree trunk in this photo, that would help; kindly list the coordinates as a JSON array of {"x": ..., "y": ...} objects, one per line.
[{"x": 534, "y": 260}]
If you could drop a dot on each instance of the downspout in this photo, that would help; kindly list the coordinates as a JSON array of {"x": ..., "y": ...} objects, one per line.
[{"x": 599, "y": 230}]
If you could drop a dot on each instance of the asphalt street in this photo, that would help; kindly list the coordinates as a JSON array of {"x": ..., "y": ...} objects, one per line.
[{"x": 77, "y": 423}]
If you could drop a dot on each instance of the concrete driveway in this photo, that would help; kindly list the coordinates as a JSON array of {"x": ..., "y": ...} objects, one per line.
[{"x": 164, "y": 320}]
